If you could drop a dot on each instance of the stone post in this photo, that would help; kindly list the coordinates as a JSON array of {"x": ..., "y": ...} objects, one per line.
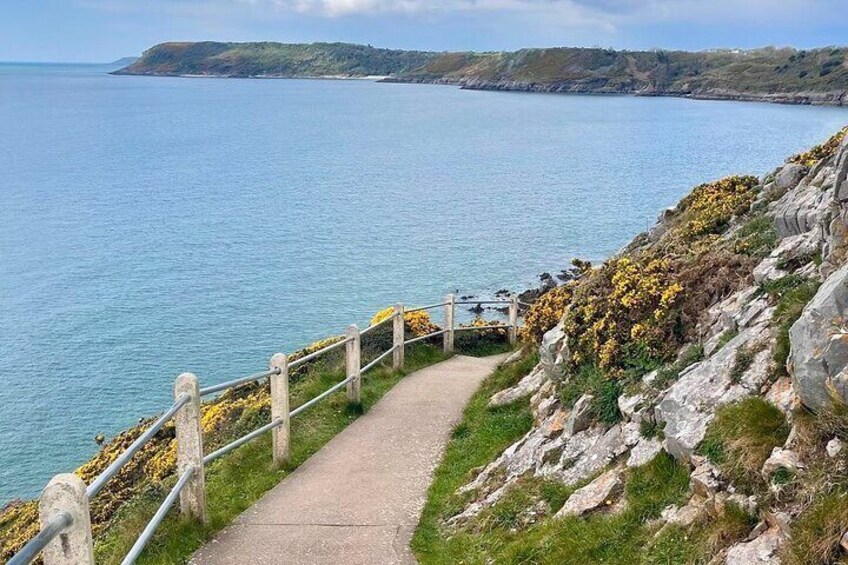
[
  {"x": 353, "y": 365},
  {"x": 190, "y": 448},
  {"x": 281, "y": 435},
  {"x": 450, "y": 310},
  {"x": 398, "y": 338},
  {"x": 512, "y": 331},
  {"x": 73, "y": 546}
]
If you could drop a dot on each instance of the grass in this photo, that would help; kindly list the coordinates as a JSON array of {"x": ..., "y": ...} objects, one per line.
[
  {"x": 742, "y": 362},
  {"x": 792, "y": 293},
  {"x": 817, "y": 531},
  {"x": 604, "y": 390},
  {"x": 757, "y": 237},
  {"x": 237, "y": 480},
  {"x": 740, "y": 439},
  {"x": 503, "y": 533}
]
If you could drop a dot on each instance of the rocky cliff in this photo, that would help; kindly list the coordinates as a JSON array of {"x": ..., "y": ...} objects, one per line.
[{"x": 719, "y": 339}]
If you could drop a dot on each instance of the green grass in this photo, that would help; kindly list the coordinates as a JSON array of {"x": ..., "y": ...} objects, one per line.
[
  {"x": 740, "y": 439},
  {"x": 817, "y": 531},
  {"x": 792, "y": 294},
  {"x": 502, "y": 534},
  {"x": 605, "y": 392},
  {"x": 240, "y": 478}
]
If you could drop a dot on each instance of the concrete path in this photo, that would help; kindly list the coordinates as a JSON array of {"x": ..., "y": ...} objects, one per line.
[{"x": 358, "y": 500}]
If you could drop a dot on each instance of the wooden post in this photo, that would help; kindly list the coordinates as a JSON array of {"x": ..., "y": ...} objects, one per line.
[
  {"x": 190, "y": 448},
  {"x": 281, "y": 435},
  {"x": 512, "y": 331},
  {"x": 353, "y": 367},
  {"x": 73, "y": 546},
  {"x": 398, "y": 337},
  {"x": 450, "y": 310}
]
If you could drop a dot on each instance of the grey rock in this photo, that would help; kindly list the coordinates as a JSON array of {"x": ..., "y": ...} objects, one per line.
[
  {"x": 781, "y": 459},
  {"x": 600, "y": 493},
  {"x": 788, "y": 176},
  {"x": 581, "y": 415},
  {"x": 632, "y": 406},
  {"x": 763, "y": 550},
  {"x": 704, "y": 480},
  {"x": 834, "y": 447},
  {"x": 644, "y": 451},
  {"x": 525, "y": 387},
  {"x": 782, "y": 394},
  {"x": 551, "y": 354},
  {"x": 819, "y": 344}
]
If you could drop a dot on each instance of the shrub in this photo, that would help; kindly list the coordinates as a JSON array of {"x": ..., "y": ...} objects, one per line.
[
  {"x": 545, "y": 313},
  {"x": 822, "y": 151},
  {"x": 418, "y": 323},
  {"x": 741, "y": 437},
  {"x": 710, "y": 206},
  {"x": 756, "y": 238}
]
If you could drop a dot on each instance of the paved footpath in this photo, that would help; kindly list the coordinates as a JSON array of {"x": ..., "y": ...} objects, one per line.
[{"x": 357, "y": 501}]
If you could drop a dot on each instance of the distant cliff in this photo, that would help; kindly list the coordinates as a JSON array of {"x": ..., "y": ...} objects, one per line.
[{"x": 818, "y": 76}]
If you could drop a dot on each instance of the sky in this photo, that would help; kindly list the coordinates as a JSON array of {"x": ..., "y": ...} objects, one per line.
[{"x": 105, "y": 30}]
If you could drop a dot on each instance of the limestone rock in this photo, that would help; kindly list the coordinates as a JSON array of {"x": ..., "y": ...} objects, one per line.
[
  {"x": 600, "y": 493},
  {"x": 763, "y": 550},
  {"x": 555, "y": 424},
  {"x": 819, "y": 342},
  {"x": 689, "y": 404},
  {"x": 802, "y": 208},
  {"x": 644, "y": 451},
  {"x": 551, "y": 354},
  {"x": 687, "y": 514},
  {"x": 834, "y": 447},
  {"x": 781, "y": 459},
  {"x": 631, "y": 407},
  {"x": 788, "y": 176},
  {"x": 525, "y": 387},
  {"x": 704, "y": 480},
  {"x": 782, "y": 395},
  {"x": 581, "y": 415}
]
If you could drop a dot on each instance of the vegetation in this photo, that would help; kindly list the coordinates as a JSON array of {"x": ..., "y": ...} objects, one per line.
[
  {"x": 821, "y": 151},
  {"x": 791, "y": 293},
  {"x": 769, "y": 73},
  {"x": 741, "y": 438}
]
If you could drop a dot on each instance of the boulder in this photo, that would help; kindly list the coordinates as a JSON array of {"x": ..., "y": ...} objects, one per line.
[
  {"x": 631, "y": 407},
  {"x": 782, "y": 395},
  {"x": 644, "y": 451},
  {"x": 600, "y": 493},
  {"x": 553, "y": 352},
  {"x": 704, "y": 480},
  {"x": 525, "y": 387},
  {"x": 819, "y": 344},
  {"x": 788, "y": 176},
  {"x": 763, "y": 550},
  {"x": 581, "y": 415}
]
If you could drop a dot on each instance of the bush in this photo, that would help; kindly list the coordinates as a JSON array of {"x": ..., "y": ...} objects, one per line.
[
  {"x": 819, "y": 152},
  {"x": 545, "y": 313}
]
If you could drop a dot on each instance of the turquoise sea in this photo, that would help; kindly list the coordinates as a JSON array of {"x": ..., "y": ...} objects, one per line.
[{"x": 150, "y": 226}]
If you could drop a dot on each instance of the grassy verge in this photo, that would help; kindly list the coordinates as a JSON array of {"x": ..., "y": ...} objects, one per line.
[{"x": 237, "y": 480}]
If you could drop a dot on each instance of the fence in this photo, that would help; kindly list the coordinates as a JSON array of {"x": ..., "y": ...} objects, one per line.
[{"x": 65, "y": 537}]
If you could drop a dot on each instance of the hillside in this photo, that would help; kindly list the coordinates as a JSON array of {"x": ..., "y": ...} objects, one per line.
[
  {"x": 818, "y": 76},
  {"x": 688, "y": 402},
  {"x": 274, "y": 60}
]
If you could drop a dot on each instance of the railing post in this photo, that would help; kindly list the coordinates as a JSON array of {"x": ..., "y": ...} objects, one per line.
[
  {"x": 450, "y": 310},
  {"x": 74, "y": 546},
  {"x": 190, "y": 448},
  {"x": 281, "y": 435},
  {"x": 398, "y": 337},
  {"x": 512, "y": 331},
  {"x": 353, "y": 365}
]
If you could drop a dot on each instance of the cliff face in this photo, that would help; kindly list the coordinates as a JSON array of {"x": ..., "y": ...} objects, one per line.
[
  {"x": 717, "y": 340},
  {"x": 818, "y": 76}
]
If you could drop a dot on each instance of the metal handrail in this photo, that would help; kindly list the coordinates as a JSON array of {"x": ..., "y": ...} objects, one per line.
[
  {"x": 122, "y": 459},
  {"x": 236, "y": 382},
  {"x": 377, "y": 325},
  {"x": 52, "y": 529},
  {"x": 319, "y": 352},
  {"x": 491, "y": 327},
  {"x": 320, "y": 397},
  {"x": 423, "y": 337},
  {"x": 241, "y": 441},
  {"x": 377, "y": 360},
  {"x": 428, "y": 307},
  {"x": 154, "y": 522}
]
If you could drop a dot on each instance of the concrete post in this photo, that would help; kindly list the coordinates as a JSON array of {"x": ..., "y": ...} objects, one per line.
[
  {"x": 398, "y": 338},
  {"x": 512, "y": 331},
  {"x": 353, "y": 365},
  {"x": 450, "y": 310},
  {"x": 66, "y": 493},
  {"x": 190, "y": 448},
  {"x": 281, "y": 435}
]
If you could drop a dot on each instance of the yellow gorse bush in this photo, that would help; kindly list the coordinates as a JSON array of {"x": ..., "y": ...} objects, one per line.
[
  {"x": 418, "y": 322},
  {"x": 709, "y": 207},
  {"x": 623, "y": 306},
  {"x": 821, "y": 151},
  {"x": 545, "y": 313}
]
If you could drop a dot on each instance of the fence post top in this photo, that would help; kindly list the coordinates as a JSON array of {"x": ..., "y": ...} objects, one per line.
[
  {"x": 352, "y": 330},
  {"x": 64, "y": 484},
  {"x": 450, "y": 297},
  {"x": 398, "y": 307},
  {"x": 278, "y": 360},
  {"x": 187, "y": 382}
]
